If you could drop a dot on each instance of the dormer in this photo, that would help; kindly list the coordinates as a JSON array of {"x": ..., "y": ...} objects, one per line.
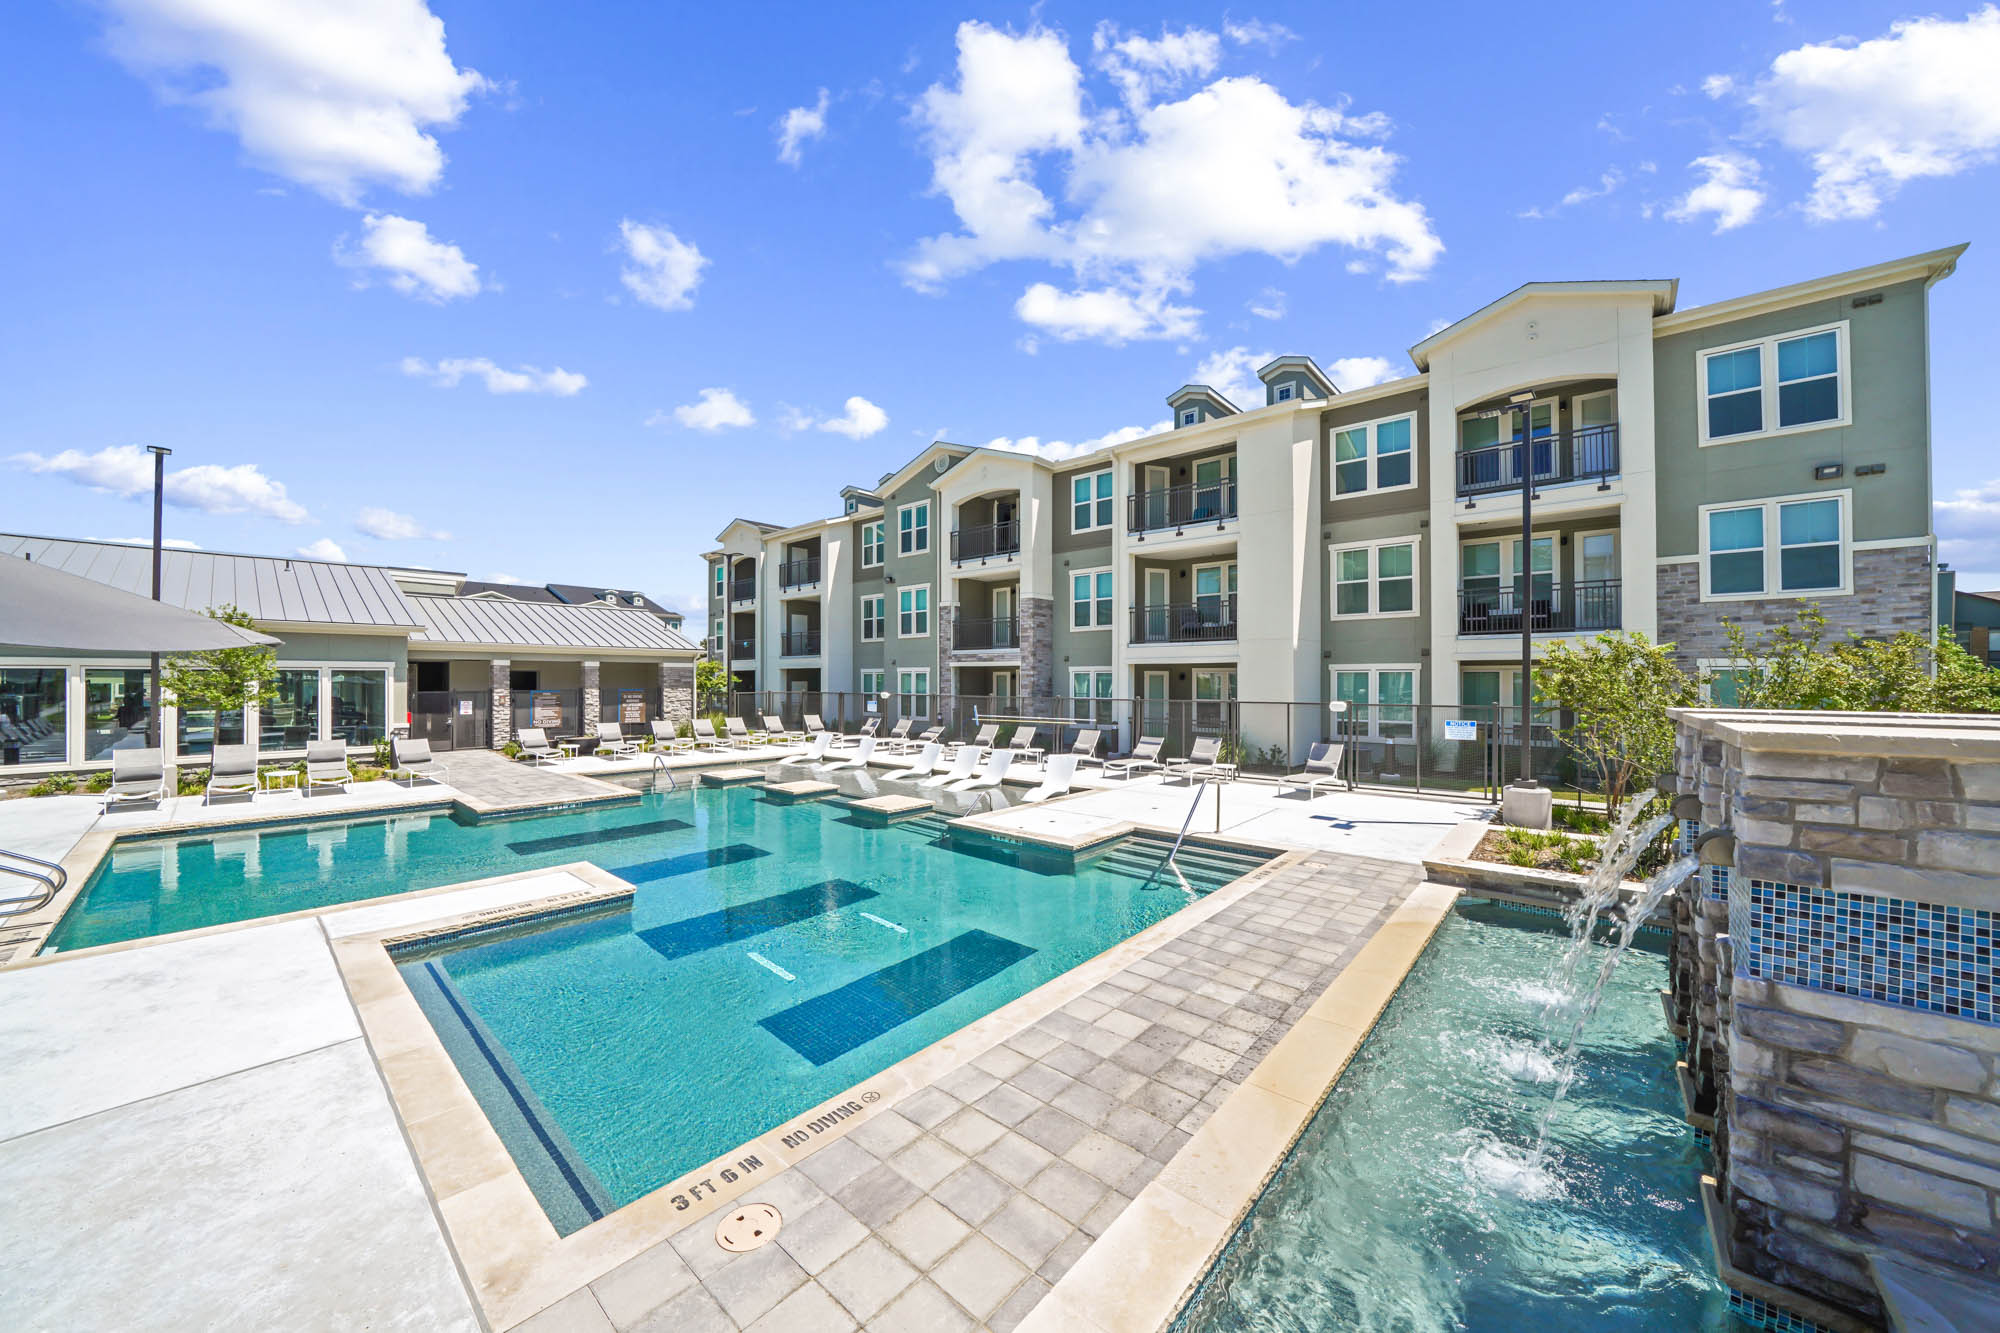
[
  {"x": 855, "y": 499},
  {"x": 1293, "y": 379},
  {"x": 1193, "y": 404}
]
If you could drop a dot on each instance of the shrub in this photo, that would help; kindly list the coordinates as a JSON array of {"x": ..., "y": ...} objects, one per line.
[
  {"x": 98, "y": 782},
  {"x": 192, "y": 781},
  {"x": 383, "y": 755},
  {"x": 512, "y": 749},
  {"x": 55, "y": 784},
  {"x": 684, "y": 731}
]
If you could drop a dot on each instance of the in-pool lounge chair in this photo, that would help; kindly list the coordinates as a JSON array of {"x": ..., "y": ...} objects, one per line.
[
  {"x": 1322, "y": 770},
  {"x": 924, "y": 764},
  {"x": 992, "y": 775},
  {"x": 1057, "y": 774},
  {"x": 413, "y": 759},
  {"x": 232, "y": 771},
  {"x": 1204, "y": 760},
  {"x": 1085, "y": 748},
  {"x": 326, "y": 766},
  {"x": 815, "y": 754},
  {"x": 535, "y": 747},
  {"x": 981, "y": 742},
  {"x": 138, "y": 773},
  {"x": 862, "y": 754},
  {"x": 962, "y": 765},
  {"x": 705, "y": 737},
  {"x": 612, "y": 743},
  {"x": 1145, "y": 757}
]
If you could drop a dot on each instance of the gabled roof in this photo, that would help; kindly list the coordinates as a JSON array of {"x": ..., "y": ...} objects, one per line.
[
  {"x": 1661, "y": 290},
  {"x": 1187, "y": 391},
  {"x": 1302, "y": 364},
  {"x": 493, "y": 622},
  {"x": 518, "y": 592},
  {"x": 939, "y": 449},
  {"x": 1933, "y": 266}
]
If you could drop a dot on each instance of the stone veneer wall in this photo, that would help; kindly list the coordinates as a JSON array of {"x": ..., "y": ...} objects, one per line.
[
  {"x": 1837, "y": 984},
  {"x": 1038, "y": 647},
  {"x": 946, "y": 684},
  {"x": 502, "y": 710},
  {"x": 593, "y": 698},
  {"x": 1892, "y": 593},
  {"x": 676, "y": 692}
]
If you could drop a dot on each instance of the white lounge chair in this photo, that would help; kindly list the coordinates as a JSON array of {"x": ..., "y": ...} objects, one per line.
[
  {"x": 775, "y": 728},
  {"x": 962, "y": 765},
  {"x": 1057, "y": 774},
  {"x": 814, "y": 726},
  {"x": 1203, "y": 760},
  {"x": 705, "y": 737},
  {"x": 667, "y": 738},
  {"x": 911, "y": 744},
  {"x": 981, "y": 742},
  {"x": 741, "y": 736},
  {"x": 137, "y": 774},
  {"x": 232, "y": 771},
  {"x": 867, "y": 732},
  {"x": 1022, "y": 743},
  {"x": 897, "y": 734},
  {"x": 1145, "y": 757},
  {"x": 535, "y": 747},
  {"x": 326, "y": 766},
  {"x": 926, "y": 762},
  {"x": 814, "y": 753},
  {"x": 1322, "y": 770},
  {"x": 1085, "y": 748},
  {"x": 612, "y": 744},
  {"x": 992, "y": 775},
  {"x": 413, "y": 759},
  {"x": 862, "y": 754}
]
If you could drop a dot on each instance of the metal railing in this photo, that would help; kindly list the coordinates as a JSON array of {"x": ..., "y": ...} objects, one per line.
[
  {"x": 798, "y": 643},
  {"x": 1590, "y": 453},
  {"x": 48, "y": 874},
  {"x": 985, "y": 540},
  {"x": 799, "y": 573},
  {"x": 743, "y": 590},
  {"x": 1178, "y": 506},
  {"x": 742, "y": 650},
  {"x": 999, "y": 632},
  {"x": 1555, "y": 608},
  {"x": 1204, "y": 620}
]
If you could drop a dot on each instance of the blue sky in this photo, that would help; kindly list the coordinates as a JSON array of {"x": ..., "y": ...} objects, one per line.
[{"x": 469, "y": 287}]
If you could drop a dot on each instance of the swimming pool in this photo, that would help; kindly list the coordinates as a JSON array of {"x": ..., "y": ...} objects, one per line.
[
  {"x": 1410, "y": 1203},
  {"x": 772, "y": 956}
]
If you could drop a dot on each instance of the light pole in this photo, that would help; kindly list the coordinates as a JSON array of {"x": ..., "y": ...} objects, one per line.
[
  {"x": 159, "y": 453},
  {"x": 1523, "y": 405}
]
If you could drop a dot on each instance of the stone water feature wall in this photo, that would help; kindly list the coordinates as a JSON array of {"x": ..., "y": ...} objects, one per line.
[{"x": 1835, "y": 976}]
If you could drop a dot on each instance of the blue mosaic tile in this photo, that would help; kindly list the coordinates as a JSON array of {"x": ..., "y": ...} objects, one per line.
[
  {"x": 1690, "y": 829},
  {"x": 1763, "y": 1314},
  {"x": 1926, "y": 956},
  {"x": 1715, "y": 883},
  {"x": 590, "y": 837},
  {"x": 689, "y": 862},
  {"x": 677, "y": 939}
]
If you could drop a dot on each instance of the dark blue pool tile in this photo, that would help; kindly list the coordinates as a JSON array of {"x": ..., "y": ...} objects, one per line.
[
  {"x": 563, "y": 842},
  {"x": 828, "y": 1026},
  {"x": 680, "y": 938},
  {"x": 689, "y": 862}
]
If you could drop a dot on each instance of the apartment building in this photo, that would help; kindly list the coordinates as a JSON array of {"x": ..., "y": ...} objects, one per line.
[{"x": 1690, "y": 466}]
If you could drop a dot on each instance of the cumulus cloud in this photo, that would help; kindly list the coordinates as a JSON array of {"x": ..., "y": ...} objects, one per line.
[
  {"x": 1968, "y": 529},
  {"x": 662, "y": 270},
  {"x": 799, "y": 125},
  {"x": 414, "y": 263},
  {"x": 1268, "y": 304},
  {"x": 1277, "y": 177},
  {"x": 334, "y": 97},
  {"x": 326, "y": 548},
  {"x": 1732, "y": 191},
  {"x": 1232, "y": 372},
  {"x": 1256, "y": 32},
  {"x": 447, "y": 373},
  {"x": 716, "y": 409},
  {"x": 127, "y": 470},
  {"x": 1057, "y": 451},
  {"x": 1349, "y": 373},
  {"x": 858, "y": 420},
  {"x": 390, "y": 526}
]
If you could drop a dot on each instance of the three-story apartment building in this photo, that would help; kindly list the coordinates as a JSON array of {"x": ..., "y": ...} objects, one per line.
[{"x": 1726, "y": 462}]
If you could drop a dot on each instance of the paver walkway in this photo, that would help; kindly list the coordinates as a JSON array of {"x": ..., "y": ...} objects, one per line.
[
  {"x": 958, "y": 1207},
  {"x": 487, "y": 780}
]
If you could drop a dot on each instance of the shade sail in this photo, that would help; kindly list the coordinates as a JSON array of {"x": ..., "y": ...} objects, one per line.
[{"x": 47, "y": 608}]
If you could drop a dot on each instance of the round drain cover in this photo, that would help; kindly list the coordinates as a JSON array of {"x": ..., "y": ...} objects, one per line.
[{"x": 746, "y": 1228}]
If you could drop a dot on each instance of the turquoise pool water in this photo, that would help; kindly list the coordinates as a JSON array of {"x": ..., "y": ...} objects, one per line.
[{"x": 1410, "y": 1203}]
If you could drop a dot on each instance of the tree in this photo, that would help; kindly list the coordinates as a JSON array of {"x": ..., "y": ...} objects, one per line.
[
  {"x": 222, "y": 679},
  {"x": 711, "y": 679},
  {"x": 1795, "y": 667},
  {"x": 1614, "y": 694}
]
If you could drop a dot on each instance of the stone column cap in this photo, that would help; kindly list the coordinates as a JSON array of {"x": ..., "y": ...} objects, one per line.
[{"x": 1960, "y": 737}]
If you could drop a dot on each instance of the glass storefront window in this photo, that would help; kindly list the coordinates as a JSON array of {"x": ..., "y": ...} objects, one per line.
[
  {"x": 360, "y": 706},
  {"x": 33, "y": 718},
  {"x": 202, "y": 729},
  {"x": 288, "y": 716},
  {"x": 115, "y": 706}
]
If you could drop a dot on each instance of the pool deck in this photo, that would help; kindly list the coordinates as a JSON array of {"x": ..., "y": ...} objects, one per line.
[{"x": 1073, "y": 1160}]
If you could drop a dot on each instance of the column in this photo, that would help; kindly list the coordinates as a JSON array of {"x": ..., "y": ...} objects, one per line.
[
  {"x": 502, "y": 707},
  {"x": 676, "y": 692},
  {"x": 593, "y": 699}
]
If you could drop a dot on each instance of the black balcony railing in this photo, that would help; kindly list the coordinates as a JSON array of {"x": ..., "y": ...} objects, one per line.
[
  {"x": 799, "y": 643},
  {"x": 742, "y": 650},
  {"x": 1204, "y": 620},
  {"x": 1555, "y": 608},
  {"x": 1590, "y": 453},
  {"x": 743, "y": 590},
  {"x": 800, "y": 573},
  {"x": 1180, "y": 506},
  {"x": 999, "y": 632},
  {"x": 985, "y": 541}
]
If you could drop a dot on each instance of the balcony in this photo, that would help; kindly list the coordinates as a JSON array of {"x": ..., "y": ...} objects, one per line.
[
  {"x": 743, "y": 590},
  {"x": 985, "y": 541},
  {"x": 1562, "y": 608},
  {"x": 1579, "y": 455},
  {"x": 1178, "y": 506},
  {"x": 800, "y": 573},
  {"x": 974, "y": 635},
  {"x": 1207, "y": 620},
  {"x": 742, "y": 650},
  {"x": 799, "y": 643}
]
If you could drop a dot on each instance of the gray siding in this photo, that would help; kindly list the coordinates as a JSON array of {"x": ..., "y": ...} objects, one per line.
[
  {"x": 1409, "y": 505},
  {"x": 1063, "y": 540},
  {"x": 900, "y": 571}
]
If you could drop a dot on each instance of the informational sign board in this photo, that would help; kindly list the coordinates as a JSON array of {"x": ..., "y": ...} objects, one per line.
[
  {"x": 465, "y": 708},
  {"x": 545, "y": 707},
  {"x": 1461, "y": 729},
  {"x": 632, "y": 707}
]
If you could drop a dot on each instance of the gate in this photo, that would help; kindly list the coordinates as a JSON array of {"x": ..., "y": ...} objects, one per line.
[{"x": 451, "y": 719}]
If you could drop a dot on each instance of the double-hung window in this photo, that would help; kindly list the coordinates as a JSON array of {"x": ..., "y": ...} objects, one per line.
[
  {"x": 1381, "y": 700},
  {"x": 871, "y": 617},
  {"x": 721, "y": 577},
  {"x": 871, "y": 681},
  {"x": 913, "y": 611},
  {"x": 1090, "y": 693},
  {"x": 1776, "y": 548},
  {"x": 1378, "y": 579},
  {"x": 1090, "y": 599},
  {"x": 913, "y": 528},
  {"x": 1790, "y": 382},
  {"x": 871, "y": 544},
  {"x": 1090, "y": 502},
  {"x": 915, "y": 687},
  {"x": 1375, "y": 456}
]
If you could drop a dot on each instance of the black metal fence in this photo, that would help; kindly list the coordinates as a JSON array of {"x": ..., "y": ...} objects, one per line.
[
  {"x": 983, "y": 541},
  {"x": 1577, "y": 606},
  {"x": 998, "y": 632},
  {"x": 743, "y": 590},
  {"x": 1204, "y": 620},
  {"x": 1178, "y": 506},
  {"x": 800, "y": 573},
  {"x": 1576, "y": 455},
  {"x": 798, "y": 643}
]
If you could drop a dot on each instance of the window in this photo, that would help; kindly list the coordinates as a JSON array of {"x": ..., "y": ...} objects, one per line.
[
  {"x": 1723, "y": 684},
  {"x": 1090, "y": 502},
  {"x": 34, "y": 716},
  {"x": 1806, "y": 370},
  {"x": 871, "y": 682},
  {"x": 1375, "y": 456},
  {"x": 721, "y": 577},
  {"x": 1090, "y": 599},
  {"x": 915, "y": 687},
  {"x": 1215, "y": 594},
  {"x": 913, "y": 528},
  {"x": 115, "y": 711},
  {"x": 1809, "y": 555},
  {"x": 1215, "y": 701},
  {"x": 1381, "y": 701},
  {"x": 871, "y": 617},
  {"x": 360, "y": 700},
  {"x": 1284, "y": 394},
  {"x": 871, "y": 544},
  {"x": 913, "y": 611},
  {"x": 1379, "y": 579},
  {"x": 1090, "y": 692},
  {"x": 1189, "y": 416},
  {"x": 288, "y": 716}
]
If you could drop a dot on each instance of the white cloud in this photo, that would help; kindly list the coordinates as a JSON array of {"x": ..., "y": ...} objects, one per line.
[
  {"x": 1256, "y": 32},
  {"x": 860, "y": 420},
  {"x": 335, "y": 97},
  {"x": 1232, "y": 373},
  {"x": 416, "y": 264},
  {"x": 326, "y": 548},
  {"x": 1607, "y": 181},
  {"x": 127, "y": 470},
  {"x": 664, "y": 270},
  {"x": 718, "y": 409},
  {"x": 797, "y": 126},
  {"x": 1968, "y": 528},
  {"x": 1276, "y": 178},
  {"x": 503, "y": 578},
  {"x": 447, "y": 373},
  {"x": 1057, "y": 451},
  {"x": 390, "y": 526},
  {"x": 1717, "y": 86},
  {"x": 1733, "y": 191},
  {"x": 1870, "y": 116},
  {"x": 1268, "y": 304},
  {"x": 1358, "y": 372}
]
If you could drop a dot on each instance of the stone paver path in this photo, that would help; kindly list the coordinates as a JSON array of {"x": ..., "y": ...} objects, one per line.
[
  {"x": 487, "y": 780},
  {"x": 959, "y": 1207}
]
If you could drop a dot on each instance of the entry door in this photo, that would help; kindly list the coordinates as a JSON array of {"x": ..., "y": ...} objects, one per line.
[
  {"x": 1212, "y": 480},
  {"x": 1154, "y": 612},
  {"x": 1005, "y": 632},
  {"x": 1155, "y": 709},
  {"x": 1006, "y": 684},
  {"x": 1157, "y": 480}
]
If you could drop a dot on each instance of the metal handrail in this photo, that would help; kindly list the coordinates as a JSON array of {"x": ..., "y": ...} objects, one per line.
[
  {"x": 799, "y": 573},
  {"x": 1580, "y": 454},
  {"x": 743, "y": 590},
  {"x": 997, "y": 632},
  {"x": 1179, "y": 506},
  {"x": 51, "y": 877},
  {"x": 984, "y": 541},
  {"x": 659, "y": 767},
  {"x": 1205, "y": 620}
]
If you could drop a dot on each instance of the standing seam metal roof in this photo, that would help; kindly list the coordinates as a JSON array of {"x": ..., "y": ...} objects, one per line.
[{"x": 489, "y": 622}]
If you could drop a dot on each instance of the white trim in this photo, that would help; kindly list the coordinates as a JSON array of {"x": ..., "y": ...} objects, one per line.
[
  {"x": 1617, "y": 536},
  {"x": 1767, "y": 387},
  {"x": 904, "y": 694},
  {"x": 1371, "y": 430},
  {"x": 1771, "y": 590},
  {"x": 1092, "y": 574},
  {"x": 881, "y": 617},
  {"x": 925, "y": 529},
  {"x": 1374, "y": 580},
  {"x": 1110, "y": 499},
  {"x": 1676, "y": 559},
  {"x": 1374, "y": 705},
  {"x": 929, "y": 610},
  {"x": 1890, "y": 543},
  {"x": 881, "y": 544}
]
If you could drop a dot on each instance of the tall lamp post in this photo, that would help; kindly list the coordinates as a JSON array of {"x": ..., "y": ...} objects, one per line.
[
  {"x": 159, "y": 453},
  {"x": 1525, "y": 803}
]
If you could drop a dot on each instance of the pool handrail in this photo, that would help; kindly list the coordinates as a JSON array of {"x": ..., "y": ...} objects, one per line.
[{"x": 50, "y": 876}]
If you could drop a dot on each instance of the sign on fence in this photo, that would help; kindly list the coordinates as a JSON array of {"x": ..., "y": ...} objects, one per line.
[
  {"x": 632, "y": 707},
  {"x": 545, "y": 707},
  {"x": 1460, "y": 729}
]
